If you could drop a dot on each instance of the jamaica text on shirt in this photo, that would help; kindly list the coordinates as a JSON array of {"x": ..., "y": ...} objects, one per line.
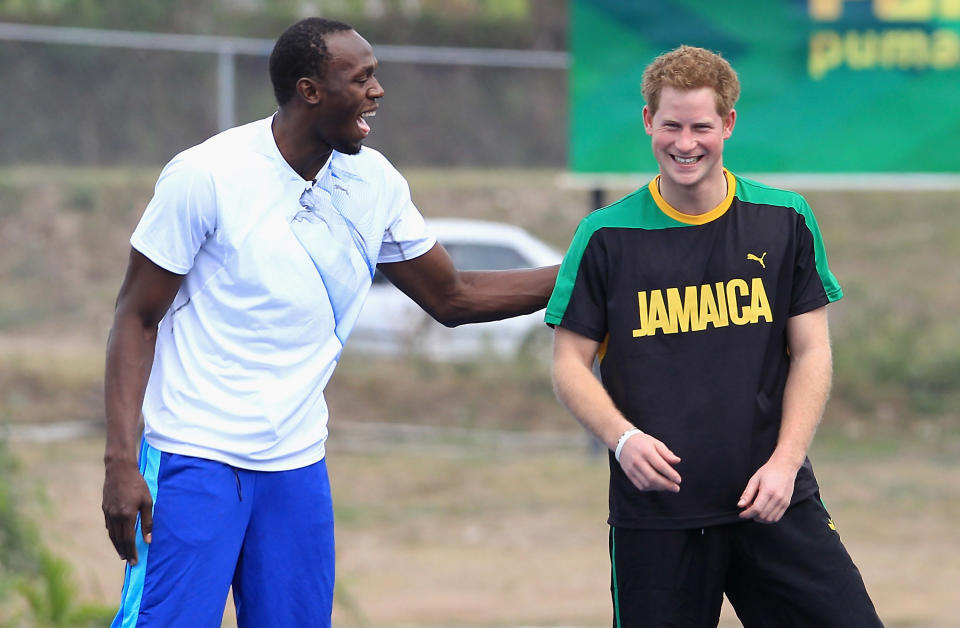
[{"x": 736, "y": 301}]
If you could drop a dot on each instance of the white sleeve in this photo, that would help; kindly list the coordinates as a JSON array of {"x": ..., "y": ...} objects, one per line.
[
  {"x": 179, "y": 218},
  {"x": 406, "y": 235}
]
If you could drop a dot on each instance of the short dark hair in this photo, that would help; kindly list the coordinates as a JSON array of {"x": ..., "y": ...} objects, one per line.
[{"x": 301, "y": 51}]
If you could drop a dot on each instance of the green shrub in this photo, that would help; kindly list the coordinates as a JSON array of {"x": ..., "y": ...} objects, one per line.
[{"x": 36, "y": 587}]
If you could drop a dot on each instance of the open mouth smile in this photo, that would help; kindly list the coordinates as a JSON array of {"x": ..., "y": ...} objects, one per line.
[
  {"x": 686, "y": 161},
  {"x": 362, "y": 123}
]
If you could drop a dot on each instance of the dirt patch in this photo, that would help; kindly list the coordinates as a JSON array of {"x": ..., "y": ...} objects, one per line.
[{"x": 490, "y": 539}]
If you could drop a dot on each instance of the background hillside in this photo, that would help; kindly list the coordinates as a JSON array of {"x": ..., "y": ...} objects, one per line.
[{"x": 64, "y": 240}]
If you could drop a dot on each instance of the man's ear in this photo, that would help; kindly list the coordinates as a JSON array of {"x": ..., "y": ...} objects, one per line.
[
  {"x": 309, "y": 90},
  {"x": 728, "y": 123},
  {"x": 647, "y": 120}
]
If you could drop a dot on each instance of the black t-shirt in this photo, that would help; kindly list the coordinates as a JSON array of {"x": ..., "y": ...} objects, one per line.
[{"x": 691, "y": 312}]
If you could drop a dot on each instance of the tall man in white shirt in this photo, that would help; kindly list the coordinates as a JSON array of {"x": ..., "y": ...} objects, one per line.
[{"x": 246, "y": 275}]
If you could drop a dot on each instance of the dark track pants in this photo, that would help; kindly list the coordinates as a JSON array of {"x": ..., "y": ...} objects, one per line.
[{"x": 794, "y": 573}]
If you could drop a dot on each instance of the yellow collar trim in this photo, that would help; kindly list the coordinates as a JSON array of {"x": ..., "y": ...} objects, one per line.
[{"x": 695, "y": 219}]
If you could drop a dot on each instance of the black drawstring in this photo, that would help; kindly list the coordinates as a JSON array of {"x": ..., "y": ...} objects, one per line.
[{"x": 236, "y": 474}]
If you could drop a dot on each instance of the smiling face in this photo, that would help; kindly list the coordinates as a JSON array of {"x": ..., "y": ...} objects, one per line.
[
  {"x": 347, "y": 93},
  {"x": 687, "y": 136}
]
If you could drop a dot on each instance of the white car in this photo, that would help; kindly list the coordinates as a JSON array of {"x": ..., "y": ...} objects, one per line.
[{"x": 392, "y": 324}]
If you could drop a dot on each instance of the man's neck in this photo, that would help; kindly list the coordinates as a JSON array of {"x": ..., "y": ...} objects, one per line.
[
  {"x": 695, "y": 200},
  {"x": 297, "y": 146}
]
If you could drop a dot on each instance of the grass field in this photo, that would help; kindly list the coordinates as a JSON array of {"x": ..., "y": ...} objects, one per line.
[
  {"x": 496, "y": 516},
  {"x": 464, "y": 536}
]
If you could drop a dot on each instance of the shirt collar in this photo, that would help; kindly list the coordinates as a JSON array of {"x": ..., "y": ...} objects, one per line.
[
  {"x": 695, "y": 219},
  {"x": 270, "y": 148}
]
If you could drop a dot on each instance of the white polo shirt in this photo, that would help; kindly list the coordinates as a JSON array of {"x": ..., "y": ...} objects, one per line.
[{"x": 276, "y": 270}]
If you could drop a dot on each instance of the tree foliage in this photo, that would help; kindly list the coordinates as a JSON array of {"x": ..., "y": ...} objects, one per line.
[{"x": 265, "y": 18}]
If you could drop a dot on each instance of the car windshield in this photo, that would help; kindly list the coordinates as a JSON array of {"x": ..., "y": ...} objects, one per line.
[
  {"x": 485, "y": 257},
  {"x": 471, "y": 256}
]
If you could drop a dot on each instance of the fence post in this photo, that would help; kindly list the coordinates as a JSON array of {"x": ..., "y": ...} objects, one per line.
[{"x": 226, "y": 87}]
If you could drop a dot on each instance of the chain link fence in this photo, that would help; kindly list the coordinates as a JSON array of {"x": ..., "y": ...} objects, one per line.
[{"x": 123, "y": 98}]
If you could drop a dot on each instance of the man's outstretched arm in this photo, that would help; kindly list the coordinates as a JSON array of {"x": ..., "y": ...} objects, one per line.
[
  {"x": 769, "y": 491},
  {"x": 454, "y": 297},
  {"x": 145, "y": 295},
  {"x": 647, "y": 461}
]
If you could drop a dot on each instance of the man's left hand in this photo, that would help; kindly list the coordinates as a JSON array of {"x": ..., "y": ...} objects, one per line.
[{"x": 768, "y": 492}]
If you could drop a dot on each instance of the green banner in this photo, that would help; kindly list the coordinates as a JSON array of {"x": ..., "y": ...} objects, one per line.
[{"x": 828, "y": 86}]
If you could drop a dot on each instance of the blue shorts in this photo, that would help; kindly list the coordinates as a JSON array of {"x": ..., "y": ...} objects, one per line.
[{"x": 269, "y": 534}]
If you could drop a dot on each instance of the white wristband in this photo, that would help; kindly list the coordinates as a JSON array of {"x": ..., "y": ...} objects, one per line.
[{"x": 623, "y": 441}]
